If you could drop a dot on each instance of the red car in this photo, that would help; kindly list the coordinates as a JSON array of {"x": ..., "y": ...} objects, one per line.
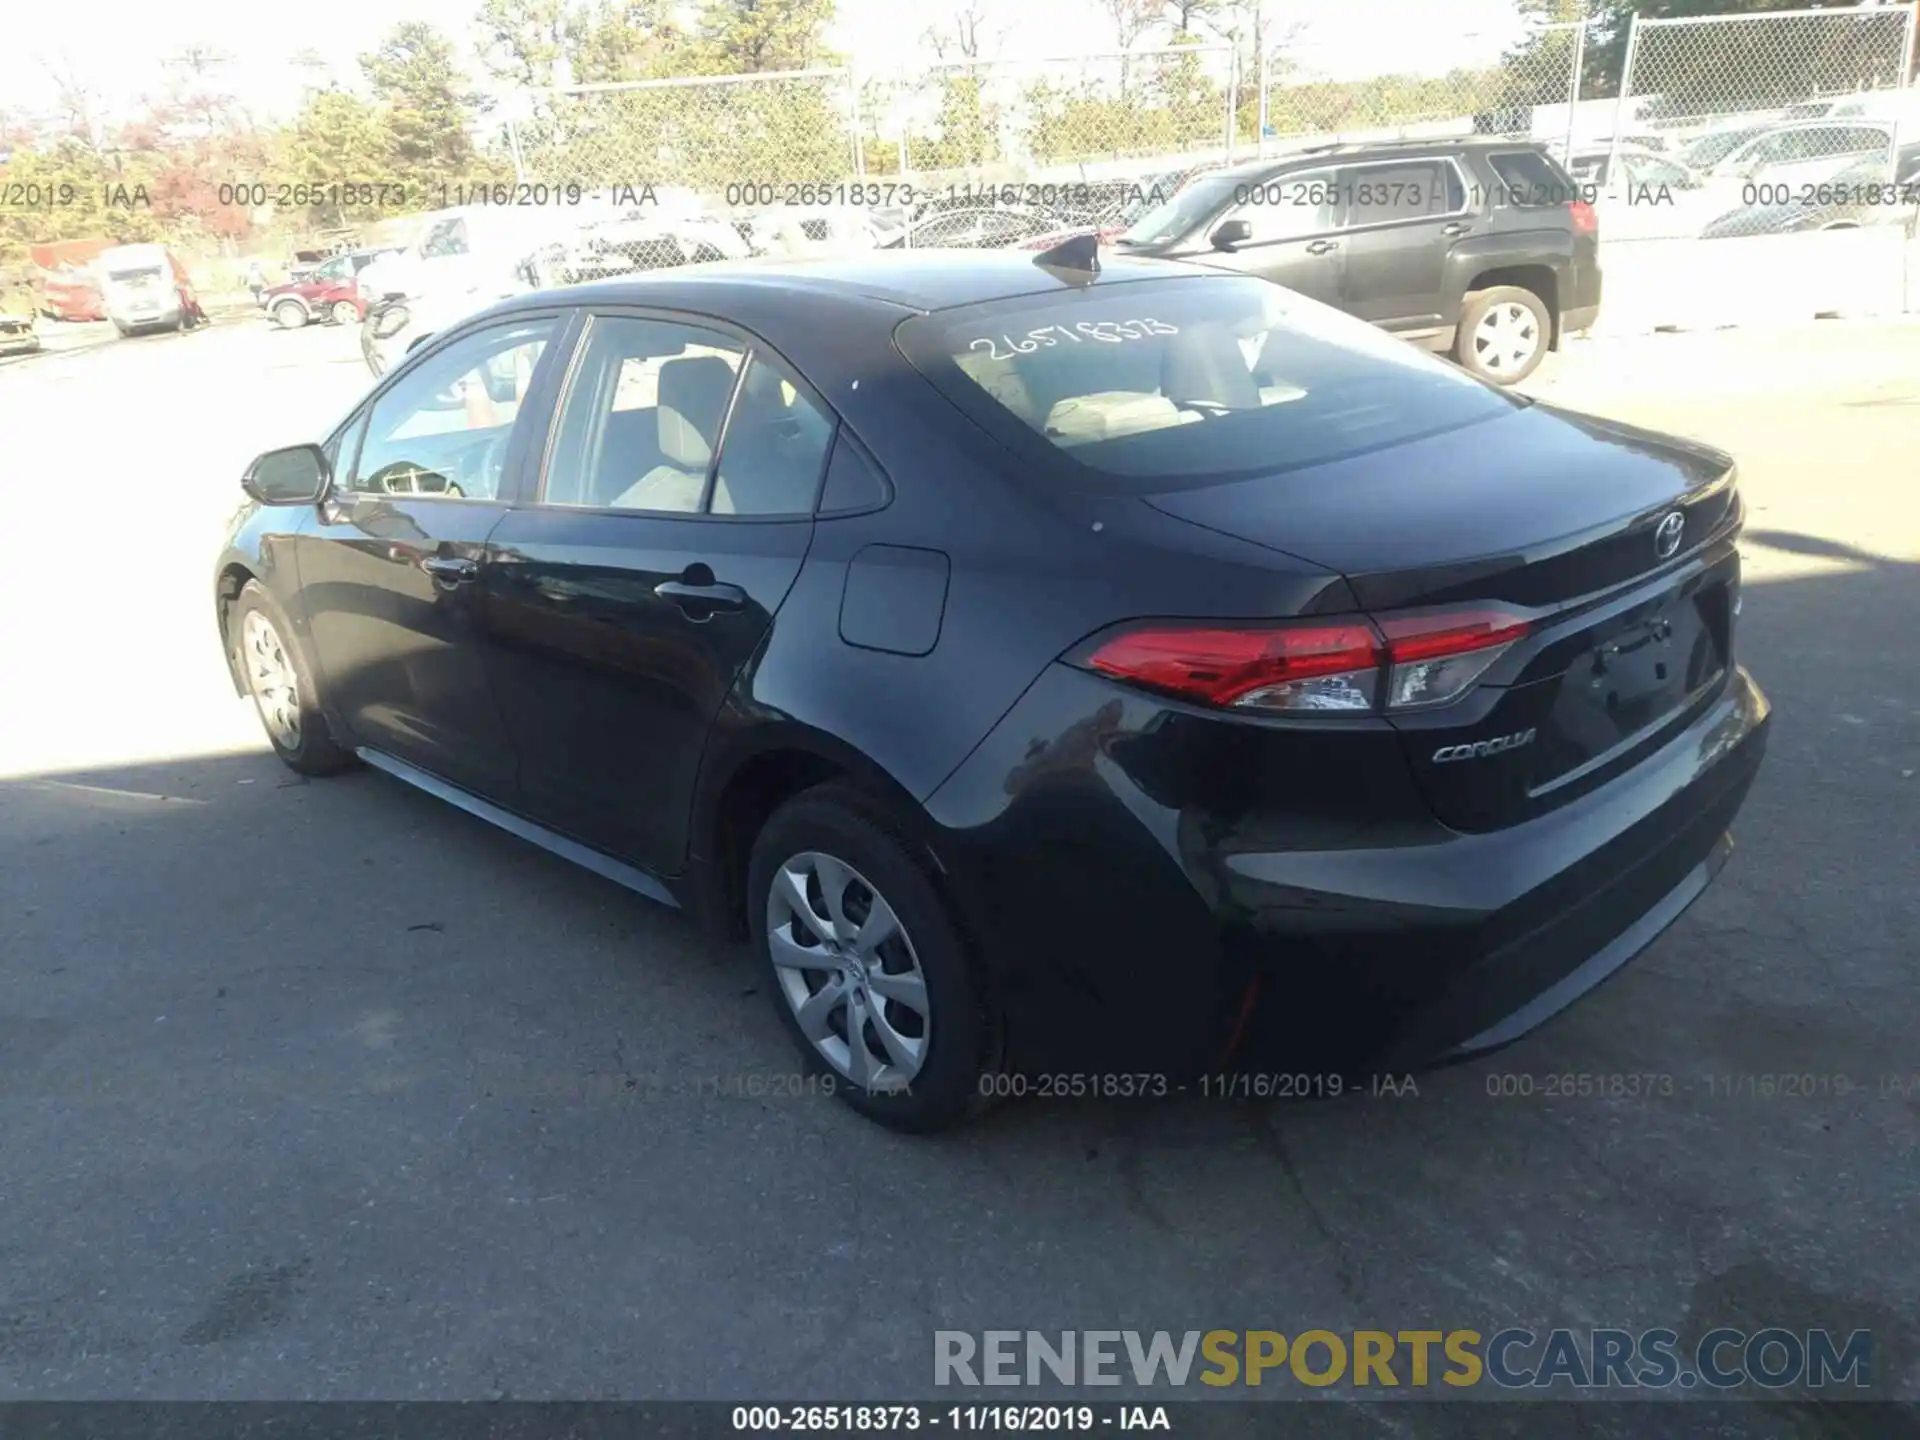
[{"x": 328, "y": 295}]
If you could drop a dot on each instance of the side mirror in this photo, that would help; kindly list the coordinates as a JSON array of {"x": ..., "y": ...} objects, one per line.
[
  {"x": 1230, "y": 233},
  {"x": 297, "y": 475}
]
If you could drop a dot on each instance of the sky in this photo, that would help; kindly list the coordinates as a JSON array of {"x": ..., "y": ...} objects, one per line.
[{"x": 120, "y": 61}]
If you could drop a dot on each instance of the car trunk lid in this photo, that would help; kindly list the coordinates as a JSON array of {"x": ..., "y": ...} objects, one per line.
[{"x": 1613, "y": 544}]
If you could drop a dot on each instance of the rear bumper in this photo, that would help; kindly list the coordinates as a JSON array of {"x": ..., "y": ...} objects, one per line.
[{"x": 1124, "y": 934}]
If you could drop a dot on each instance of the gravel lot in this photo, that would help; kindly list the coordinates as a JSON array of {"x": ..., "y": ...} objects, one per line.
[{"x": 324, "y": 1090}]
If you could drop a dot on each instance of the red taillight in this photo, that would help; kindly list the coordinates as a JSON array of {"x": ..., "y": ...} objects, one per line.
[
  {"x": 1437, "y": 657},
  {"x": 1254, "y": 669},
  {"x": 1453, "y": 632},
  {"x": 1408, "y": 662},
  {"x": 1585, "y": 222}
]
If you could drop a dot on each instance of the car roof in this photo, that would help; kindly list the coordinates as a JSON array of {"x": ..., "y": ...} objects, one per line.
[
  {"x": 1362, "y": 149},
  {"x": 911, "y": 280}
]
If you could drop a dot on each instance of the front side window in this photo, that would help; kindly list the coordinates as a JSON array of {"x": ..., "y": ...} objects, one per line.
[
  {"x": 1162, "y": 384},
  {"x": 1290, "y": 207},
  {"x": 443, "y": 428}
]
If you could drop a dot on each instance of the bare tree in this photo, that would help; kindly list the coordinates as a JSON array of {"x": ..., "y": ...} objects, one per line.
[
  {"x": 1132, "y": 18},
  {"x": 77, "y": 105},
  {"x": 966, "y": 33},
  {"x": 1187, "y": 12}
]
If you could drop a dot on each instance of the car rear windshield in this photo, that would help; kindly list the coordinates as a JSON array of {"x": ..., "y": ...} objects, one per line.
[{"x": 1163, "y": 384}]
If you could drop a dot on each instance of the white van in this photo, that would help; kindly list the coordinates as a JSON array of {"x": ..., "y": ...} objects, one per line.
[{"x": 142, "y": 288}]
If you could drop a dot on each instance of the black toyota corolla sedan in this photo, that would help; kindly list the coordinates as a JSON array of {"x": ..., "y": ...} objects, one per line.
[{"x": 1117, "y": 675}]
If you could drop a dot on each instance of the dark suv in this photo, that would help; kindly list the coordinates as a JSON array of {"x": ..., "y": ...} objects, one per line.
[{"x": 1482, "y": 248}]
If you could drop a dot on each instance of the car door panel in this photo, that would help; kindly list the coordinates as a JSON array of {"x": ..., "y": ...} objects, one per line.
[
  {"x": 1401, "y": 220},
  {"x": 1293, "y": 219},
  {"x": 619, "y": 630},
  {"x": 391, "y": 569},
  {"x": 608, "y": 680}
]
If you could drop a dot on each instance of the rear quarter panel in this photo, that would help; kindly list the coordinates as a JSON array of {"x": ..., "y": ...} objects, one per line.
[{"x": 1032, "y": 569}]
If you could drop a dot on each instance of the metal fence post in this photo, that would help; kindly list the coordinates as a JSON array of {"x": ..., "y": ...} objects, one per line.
[
  {"x": 1620, "y": 101},
  {"x": 1233, "y": 98},
  {"x": 853, "y": 121},
  {"x": 1573, "y": 84},
  {"x": 1264, "y": 76},
  {"x": 513, "y": 146}
]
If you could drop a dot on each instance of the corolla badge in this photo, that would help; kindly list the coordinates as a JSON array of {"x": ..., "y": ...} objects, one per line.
[
  {"x": 1481, "y": 749},
  {"x": 1666, "y": 536}
]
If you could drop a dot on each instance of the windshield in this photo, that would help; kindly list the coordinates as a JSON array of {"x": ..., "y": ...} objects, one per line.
[
  {"x": 1193, "y": 206},
  {"x": 134, "y": 277},
  {"x": 1166, "y": 384}
]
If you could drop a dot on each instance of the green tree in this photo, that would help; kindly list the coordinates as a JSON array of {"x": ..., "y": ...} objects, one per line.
[
  {"x": 339, "y": 137},
  {"x": 429, "y": 107},
  {"x": 736, "y": 36}
]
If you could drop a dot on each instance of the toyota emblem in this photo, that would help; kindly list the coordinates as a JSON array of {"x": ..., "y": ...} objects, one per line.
[{"x": 1666, "y": 537}]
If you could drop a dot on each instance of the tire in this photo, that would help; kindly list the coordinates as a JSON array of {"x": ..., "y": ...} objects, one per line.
[
  {"x": 289, "y": 314},
  {"x": 262, "y": 641},
  {"x": 1504, "y": 313},
  {"x": 343, "y": 313},
  {"x": 125, "y": 330},
  {"x": 957, "y": 1034}
]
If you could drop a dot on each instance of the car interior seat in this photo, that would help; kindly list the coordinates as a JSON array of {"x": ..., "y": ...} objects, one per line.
[{"x": 694, "y": 391}]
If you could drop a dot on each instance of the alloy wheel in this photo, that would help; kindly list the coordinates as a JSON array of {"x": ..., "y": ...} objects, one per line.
[
  {"x": 1506, "y": 338},
  {"x": 271, "y": 678},
  {"x": 848, "y": 970}
]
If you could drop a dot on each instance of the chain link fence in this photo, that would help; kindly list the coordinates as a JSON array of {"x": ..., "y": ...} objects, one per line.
[
  {"x": 1730, "y": 126},
  {"x": 1320, "y": 91},
  {"x": 1709, "y": 127},
  {"x": 700, "y": 134}
]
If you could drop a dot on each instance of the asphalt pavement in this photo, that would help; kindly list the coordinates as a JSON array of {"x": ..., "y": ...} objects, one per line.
[{"x": 324, "y": 1090}]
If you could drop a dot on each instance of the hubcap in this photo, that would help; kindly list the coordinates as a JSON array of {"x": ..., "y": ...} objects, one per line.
[
  {"x": 270, "y": 675},
  {"x": 1506, "y": 338},
  {"x": 849, "y": 971}
]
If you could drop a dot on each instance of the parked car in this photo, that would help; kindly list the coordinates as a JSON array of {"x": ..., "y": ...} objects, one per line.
[
  {"x": 810, "y": 231},
  {"x": 18, "y": 310},
  {"x": 330, "y": 293},
  {"x": 1142, "y": 671},
  {"x": 145, "y": 287},
  {"x": 1703, "y": 152},
  {"x": 982, "y": 227},
  {"x": 1803, "y": 153},
  {"x": 1479, "y": 248},
  {"x": 1612, "y": 173},
  {"x": 1869, "y": 193}
]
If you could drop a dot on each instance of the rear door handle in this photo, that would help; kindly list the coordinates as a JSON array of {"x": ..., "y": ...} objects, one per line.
[
  {"x": 449, "y": 569},
  {"x": 1321, "y": 247},
  {"x": 700, "y": 601}
]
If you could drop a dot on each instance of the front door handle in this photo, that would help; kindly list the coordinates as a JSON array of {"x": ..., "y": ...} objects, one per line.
[
  {"x": 699, "y": 601},
  {"x": 1457, "y": 228},
  {"x": 449, "y": 569},
  {"x": 1321, "y": 247}
]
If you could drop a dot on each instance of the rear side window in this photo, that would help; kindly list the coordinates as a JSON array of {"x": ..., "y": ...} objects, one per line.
[
  {"x": 1165, "y": 384},
  {"x": 1529, "y": 179}
]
